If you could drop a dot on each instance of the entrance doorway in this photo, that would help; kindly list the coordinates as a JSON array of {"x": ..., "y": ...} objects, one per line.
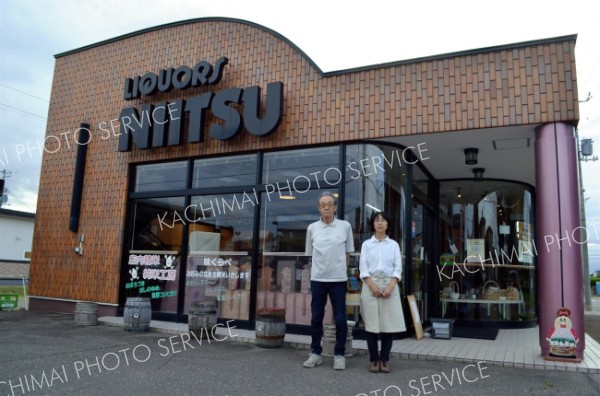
[{"x": 419, "y": 262}]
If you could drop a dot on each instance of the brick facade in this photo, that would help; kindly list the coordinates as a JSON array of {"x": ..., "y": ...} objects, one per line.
[
  {"x": 528, "y": 83},
  {"x": 10, "y": 270}
]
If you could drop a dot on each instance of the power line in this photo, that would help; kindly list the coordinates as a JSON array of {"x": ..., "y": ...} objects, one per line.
[
  {"x": 24, "y": 93},
  {"x": 22, "y": 111}
]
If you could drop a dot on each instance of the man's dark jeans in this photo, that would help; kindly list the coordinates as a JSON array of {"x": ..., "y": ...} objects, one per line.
[{"x": 337, "y": 294}]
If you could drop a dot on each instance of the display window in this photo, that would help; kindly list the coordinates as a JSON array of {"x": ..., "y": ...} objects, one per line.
[
  {"x": 375, "y": 181},
  {"x": 487, "y": 266},
  {"x": 208, "y": 245},
  {"x": 219, "y": 260},
  {"x": 284, "y": 268},
  {"x": 154, "y": 253}
]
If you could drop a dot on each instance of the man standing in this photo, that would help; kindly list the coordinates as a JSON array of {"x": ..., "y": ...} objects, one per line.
[{"x": 329, "y": 241}]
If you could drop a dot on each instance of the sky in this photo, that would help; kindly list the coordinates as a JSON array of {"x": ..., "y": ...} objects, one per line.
[{"x": 335, "y": 34}]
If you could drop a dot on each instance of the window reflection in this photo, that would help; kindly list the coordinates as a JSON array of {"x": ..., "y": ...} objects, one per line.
[
  {"x": 317, "y": 167},
  {"x": 164, "y": 176},
  {"x": 374, "y": 189},
  {"x": 375, "y": 181},
  {"x": 224, "y": 171},
  {"x": 220, "y": 253},
  {"x": 220, "y": 227},
  {"x": 284, "y": 270}
]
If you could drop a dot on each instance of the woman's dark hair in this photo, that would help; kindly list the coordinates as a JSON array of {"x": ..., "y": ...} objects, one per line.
[{"x": 383, "y": 215}]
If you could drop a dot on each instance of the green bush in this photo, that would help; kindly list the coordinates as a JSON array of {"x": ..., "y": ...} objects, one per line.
[{"x": 593, "y": 280}]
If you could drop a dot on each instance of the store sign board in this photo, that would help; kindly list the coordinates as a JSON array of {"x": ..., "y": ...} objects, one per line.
[{"x": 161, "y": 124}]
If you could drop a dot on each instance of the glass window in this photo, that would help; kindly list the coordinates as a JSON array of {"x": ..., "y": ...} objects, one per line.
[
  {"x": 284, "y": 269},
  {"x": 220, "y": 252},
  {"x": 284, "y": 221},
  {"x": 299, "y": 170},
  {"x": 487, "y": 269},
  {"x": 166, "y": 176},
  {"x": 375, "y": 182},
  {"x": 155, "y": 252},
  {"x": 224, "y": 171},
  {"x": 420, "y": 182}
]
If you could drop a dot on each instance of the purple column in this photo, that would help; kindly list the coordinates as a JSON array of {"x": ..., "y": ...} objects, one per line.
[{"x": 559, "y": 238}]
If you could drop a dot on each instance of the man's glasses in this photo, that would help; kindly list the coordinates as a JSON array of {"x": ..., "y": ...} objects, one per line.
[{"x": 327, "y": 205}]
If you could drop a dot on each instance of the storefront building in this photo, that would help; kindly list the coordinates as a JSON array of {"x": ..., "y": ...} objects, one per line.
[{"x": 192, "y": 155}]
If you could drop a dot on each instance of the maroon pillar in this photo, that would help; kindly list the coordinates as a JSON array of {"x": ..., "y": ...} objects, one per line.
[{"x": 559, "y": 238}]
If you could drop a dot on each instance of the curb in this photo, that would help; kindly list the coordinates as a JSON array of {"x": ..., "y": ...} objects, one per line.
[{"x": 248, "y": 337}]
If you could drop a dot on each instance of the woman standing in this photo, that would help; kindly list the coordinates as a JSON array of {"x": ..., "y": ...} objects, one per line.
[{"x": 380, "y": 271}]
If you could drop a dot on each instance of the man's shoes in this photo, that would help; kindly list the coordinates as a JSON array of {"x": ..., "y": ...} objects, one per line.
[
  {"x": 339, "y": 363},
  {"x": 384, "y": 367},
  {"x": 313, "y": 360},
  {"x": 374, "y": 366}
]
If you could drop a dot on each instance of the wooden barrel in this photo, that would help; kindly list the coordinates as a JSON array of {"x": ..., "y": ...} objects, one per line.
[
  {"x": 328, "y": 341},
  {"x": 202, "y": 318},
  {"x": 137, "y": 314},
  {"x": 270, "y": 328},
  {"x": 86, "y": 314}
]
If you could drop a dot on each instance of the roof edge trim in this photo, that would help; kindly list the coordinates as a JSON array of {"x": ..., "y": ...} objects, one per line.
[
  {"x": 16, "y": 213},
  {"x": 187, "y": 22},
  {"x": 496, "y": 48},
  {"x": 530, "y": 43}
]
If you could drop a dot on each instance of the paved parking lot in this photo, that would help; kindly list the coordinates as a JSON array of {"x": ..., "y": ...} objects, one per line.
[{"x": 45, "y": 353}]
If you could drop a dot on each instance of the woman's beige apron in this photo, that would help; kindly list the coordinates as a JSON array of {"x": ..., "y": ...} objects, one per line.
[{"x": 380, "y": 314}]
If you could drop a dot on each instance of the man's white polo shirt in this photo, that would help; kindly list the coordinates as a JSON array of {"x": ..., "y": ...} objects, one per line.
[{"x": 328, "y": 245}]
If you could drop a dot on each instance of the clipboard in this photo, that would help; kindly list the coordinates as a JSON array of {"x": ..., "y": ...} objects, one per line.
[{"x": 414, "y": 311}]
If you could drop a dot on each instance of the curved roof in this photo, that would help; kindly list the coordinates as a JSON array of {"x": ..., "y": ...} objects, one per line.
[
  {"x": 312, "y": 63},
  {"x": 187, "y": 22}
]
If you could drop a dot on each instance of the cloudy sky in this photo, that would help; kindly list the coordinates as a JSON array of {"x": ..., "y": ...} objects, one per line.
[{"x": 335, "y": 34}]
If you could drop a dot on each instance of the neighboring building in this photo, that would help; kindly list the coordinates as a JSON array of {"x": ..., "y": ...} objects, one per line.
[
  {"x": 211, "y": 140},
  {"x": 15, "y": 243}
]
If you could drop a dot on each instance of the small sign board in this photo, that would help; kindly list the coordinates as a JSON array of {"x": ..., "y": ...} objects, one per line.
[{"x": 9, "y": 301}]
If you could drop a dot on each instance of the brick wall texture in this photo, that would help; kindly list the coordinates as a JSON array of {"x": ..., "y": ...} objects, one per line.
[
  {"x": 531, "y": 83},
  {"x": 10, "y": 270}
]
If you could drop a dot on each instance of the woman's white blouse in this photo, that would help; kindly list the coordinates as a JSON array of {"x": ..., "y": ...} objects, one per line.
[{"x": 380, "y": 258}]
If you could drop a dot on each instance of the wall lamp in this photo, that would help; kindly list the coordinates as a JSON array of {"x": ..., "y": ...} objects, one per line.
[
  {"x": 478, "y": 174},
  {"x": 471, "y": 155}
]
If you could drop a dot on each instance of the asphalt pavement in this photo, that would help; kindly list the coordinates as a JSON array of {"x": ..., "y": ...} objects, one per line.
[{"x": 47, "y": 354}]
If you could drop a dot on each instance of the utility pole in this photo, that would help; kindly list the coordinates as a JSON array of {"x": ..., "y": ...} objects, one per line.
[{"x": 584, "y": 151}]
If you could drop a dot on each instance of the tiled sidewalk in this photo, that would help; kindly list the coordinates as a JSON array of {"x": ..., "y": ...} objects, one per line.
[{"x": 512, "y": 348}]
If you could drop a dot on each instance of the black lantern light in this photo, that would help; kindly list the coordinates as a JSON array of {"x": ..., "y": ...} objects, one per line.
[
  {"x": 471, "y": 155},
  {"x": 478, "y": 173}
]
